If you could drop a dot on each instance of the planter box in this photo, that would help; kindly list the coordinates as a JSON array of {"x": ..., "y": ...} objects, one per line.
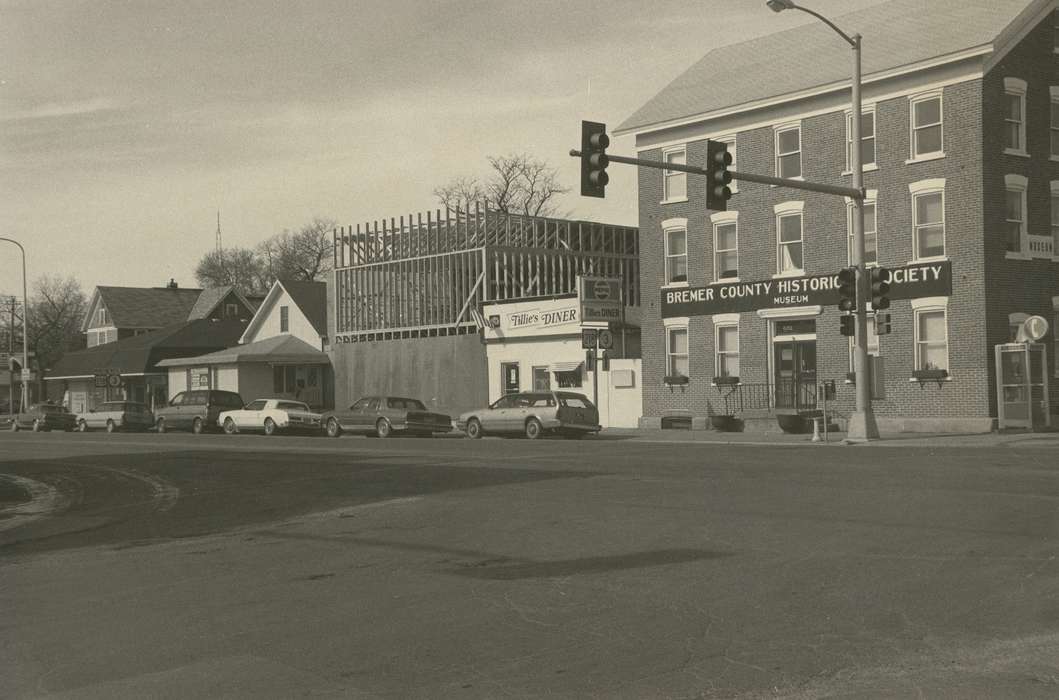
[
  {"x": 673, "y": 380},
  {"x": 726, "y": 381},
  {"x": 930, "y": 374}
]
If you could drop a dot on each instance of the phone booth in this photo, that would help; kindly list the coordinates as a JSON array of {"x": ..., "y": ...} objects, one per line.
[{"x": 1022, "y": 386}]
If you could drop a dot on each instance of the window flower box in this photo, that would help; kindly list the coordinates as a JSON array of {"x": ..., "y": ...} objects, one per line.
[
  {"x": 930, "y": 374},
  {"x": 725, "y": 381},
  {"x": 675, "y": 380}
]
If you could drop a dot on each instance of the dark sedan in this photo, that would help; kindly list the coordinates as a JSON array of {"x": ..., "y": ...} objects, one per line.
[
  {"x": 383, "y": 416},
  {"x": 44, "y": 416}
]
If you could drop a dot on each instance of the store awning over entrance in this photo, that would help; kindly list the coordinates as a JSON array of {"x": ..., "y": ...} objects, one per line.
[
  {"x": 280, "y": 349},
  {"x": 565, "y": 366}
]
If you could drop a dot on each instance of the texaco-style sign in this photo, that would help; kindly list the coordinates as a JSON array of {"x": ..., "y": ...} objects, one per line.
[
  {"x": 1035, "y": 328},
  {"x": 601, "y": 290},
  {"x": 605, "y": 339}
]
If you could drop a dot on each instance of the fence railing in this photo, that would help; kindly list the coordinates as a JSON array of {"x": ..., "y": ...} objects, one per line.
[{"x": 800, "y": 395}]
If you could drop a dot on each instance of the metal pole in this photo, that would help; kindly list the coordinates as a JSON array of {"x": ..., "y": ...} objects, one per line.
[
  {"x": 25, "y": 326},
  {"x": 10, "y": 353},
  {"x": 862, "y": 424},
  {"x": 595, "y": 376}
]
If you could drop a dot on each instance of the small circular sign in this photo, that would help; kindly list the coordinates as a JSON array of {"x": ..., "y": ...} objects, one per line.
[
  {"x": 606, "y": 340},
  {"x": 114, "y": 380},
  {"x": 601, "y": 290},
  {"x": 1035, "y": 327}
]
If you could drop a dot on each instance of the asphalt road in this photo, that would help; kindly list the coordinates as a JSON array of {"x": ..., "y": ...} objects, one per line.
[{"x": 178, "y": 566}]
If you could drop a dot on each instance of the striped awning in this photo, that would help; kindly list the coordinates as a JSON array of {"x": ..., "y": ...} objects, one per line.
[{"x": 566, "y": 366}]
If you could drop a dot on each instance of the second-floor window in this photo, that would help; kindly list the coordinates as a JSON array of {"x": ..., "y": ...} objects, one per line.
[
  {"x": 789, "y": 243},
  {"x": 675, "y": 185},
  {"x": 928, "y": 217},
  {"x": 1014, "y": 115},
  {"x": 725, "y": 246},
  {"x": 867, "y": 140},
  {"x": 1055, "y": 226},
  {"x": 927, "y": 137},
  {"x": 284, "y": 319},
  {"x": 871, "y": 231},
  {"x": 1054, "y": 123},
  {"x": 676, "y": 242},
  {"x": 1014, "y": 213},
  {"x": 102, "y": 317},
  {"x": 789, "y": 151}
]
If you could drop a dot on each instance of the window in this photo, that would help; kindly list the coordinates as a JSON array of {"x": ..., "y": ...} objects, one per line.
[
  {"x": 677, "y": 352},
  {"x": 102, "y": 317},
  {"x": 871, "y": 229},
  {"x": 1014, "y": 116},
  {"x": 231, "y": 310},
  {"x": 867, "y": 140},
  {"x": 928, "y": 211},
  {"x": 1054, "y": 123},
  {"x": 927, "y": 137},
  {"x": 361, "y": 404},
  {"x": 258, "y": 405},
  {"x": 1055, "y": 31},
  {"x": 284, "y": 319},
  {"x": 675, "y": 182},
  {"x": 789, "y": 151},
  {"x": 873, "y": 343},
  {"x": 568, "y": 380},
  {"x": 1015, "y": 214},
  {"x": 1055, "y": 221},
  {"x": 932, "y": 342},
  {"x": 727, "y": 344},
  {"x": 726, "y": 246},
  {"x": 676, "y": 243},
  {"x": 789, "y": 238}
]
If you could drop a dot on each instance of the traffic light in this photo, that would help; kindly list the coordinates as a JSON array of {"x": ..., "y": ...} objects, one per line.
[
  {"x": 717, "y": 176},
  {"x": 880, "y": 287},
  {"x": 605, "y": 364},
  {"x": 594, "y": 161},
  {"x": 14, "y": 365},
  {"x": 849, "y": 325},
  {"x": 590, "y": 360},
  {"x": 882, "y": 324},
  {"x": 847, "y": 289}
]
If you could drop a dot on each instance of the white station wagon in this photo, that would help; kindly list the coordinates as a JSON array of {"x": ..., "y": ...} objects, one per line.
[{"x": 270, "y": 416}]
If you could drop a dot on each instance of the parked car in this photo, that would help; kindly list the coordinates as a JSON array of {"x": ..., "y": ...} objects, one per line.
[
  {"x": 270, "y": 416},
  {"x": 196, "y": 410},
  {"x": 385, "y": 415},
  {"x": 116, "y": 415},
  {"x": 533, "y": 414},
  {"x": 44, "y": 416}
]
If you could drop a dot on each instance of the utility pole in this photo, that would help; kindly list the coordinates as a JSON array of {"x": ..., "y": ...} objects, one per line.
[{"x": 10, "y": 354}]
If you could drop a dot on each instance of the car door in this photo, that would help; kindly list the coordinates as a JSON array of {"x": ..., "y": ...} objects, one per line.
[
  {"x": 347, "y": 418},
  {"x": 493, "y": 418},
  {"x": 252, "y": 417},
  {"x": 365, "y": 418}
]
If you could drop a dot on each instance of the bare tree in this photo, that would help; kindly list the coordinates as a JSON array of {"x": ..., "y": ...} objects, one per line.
[
  {"x": 56, "y": 310},
  {"x": 242, "y": 268},
  {"x": 307, "y": 254},
  {"x": 517, "y": 184}
]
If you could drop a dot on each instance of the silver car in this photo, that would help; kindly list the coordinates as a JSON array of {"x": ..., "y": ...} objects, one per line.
[{"x": 533, "y": 414}]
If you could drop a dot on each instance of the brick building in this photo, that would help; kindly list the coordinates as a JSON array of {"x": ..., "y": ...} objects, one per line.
[{"x": 960, "y": 144}]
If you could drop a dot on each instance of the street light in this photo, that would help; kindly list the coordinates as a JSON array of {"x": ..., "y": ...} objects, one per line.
[
  {"x": 25, "y": 326},
  {"x": 862, "y": 425}
]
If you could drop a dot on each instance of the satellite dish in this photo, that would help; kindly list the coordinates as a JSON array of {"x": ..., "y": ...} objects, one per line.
[{"x": 1032, "y": 329}]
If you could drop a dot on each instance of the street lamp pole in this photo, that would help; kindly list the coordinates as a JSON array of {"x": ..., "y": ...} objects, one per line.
[
  {"x": 862, "y": 425},
  {"x": 25, "y": 326}
]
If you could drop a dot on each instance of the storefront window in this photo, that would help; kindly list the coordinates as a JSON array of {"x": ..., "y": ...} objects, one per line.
[{"x": 568, "y": 380}]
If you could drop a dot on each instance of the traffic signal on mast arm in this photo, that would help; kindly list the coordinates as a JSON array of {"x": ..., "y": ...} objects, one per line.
[
  {"x": 847, "y": 289},
  {"x": 594, "y": 161},
  {"x": 717, "y": 176},
  {"x": 880, "y": 287}
]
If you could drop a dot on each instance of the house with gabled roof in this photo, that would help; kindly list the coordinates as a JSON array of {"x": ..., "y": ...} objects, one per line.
[
  {"x": 281, "y": 354},
  {"x": 960, "y": 152}
]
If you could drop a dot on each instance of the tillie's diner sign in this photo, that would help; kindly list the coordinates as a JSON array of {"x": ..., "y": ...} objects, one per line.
[{"x": 909, "y": 282}]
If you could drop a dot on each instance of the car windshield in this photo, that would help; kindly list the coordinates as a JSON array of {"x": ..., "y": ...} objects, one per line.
[{"x": 292, "y": 406}]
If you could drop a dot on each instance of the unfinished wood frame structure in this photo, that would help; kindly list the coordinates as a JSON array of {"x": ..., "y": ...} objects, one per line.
[{"x": 424, "y": 275}]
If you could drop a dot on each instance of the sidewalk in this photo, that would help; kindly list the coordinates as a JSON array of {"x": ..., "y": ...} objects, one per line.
[{"x": 1013, "y": 439}]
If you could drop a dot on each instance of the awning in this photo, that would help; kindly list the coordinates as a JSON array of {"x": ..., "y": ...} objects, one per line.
[
  {"x": 566, "y": 366},
  {"x": 280, "y": 349}
]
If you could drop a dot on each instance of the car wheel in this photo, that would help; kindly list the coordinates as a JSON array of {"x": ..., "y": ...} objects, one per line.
[
  {"x": 197, "y": 426},
  {"x": 383, "y": 428},
  {"x": 333, "y": 428},
  {"x": 111, "y": 427},
  {"x": 82, "y": 426},
  {"x": 160, "y": 425},
  {"x": 270, "y": 426},
  {"x": 534, "y": 429},
  {"x": 474, "y": 429},
  {"x": 37, "y": 427},
  {"x": 230, "y": 427}
]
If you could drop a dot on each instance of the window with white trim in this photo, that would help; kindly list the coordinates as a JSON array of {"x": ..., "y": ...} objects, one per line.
[
  {"x": 284, "y": 319},
  {"x": 676, "y": 251},
  {"x": 927, "y": 138},
  {"x": 1053, "y": 124},
  {"x": 1055, "y": 31},
  {"x": 871, "y": 230},
  {"x": 677, "y": 352},
  {"x": 867, "y": 139},
  {"x": 789, "y": 151},
  {"x": 1014, "y": 116},
  {"x": 789, "y": 243},
  {"x": 675, "y": 182},
  {"x": 102, "y": 317},
  {"x": 726, "y": 342},
  {"x": 734, "y": 165},
  {"x": 725, "y": 246},
  {"x": 928, "y": 218},
  {"x": 1015, "y": 213},
  {"x": 1055, "y": 220},
  {"x": 931, "y": 338}
]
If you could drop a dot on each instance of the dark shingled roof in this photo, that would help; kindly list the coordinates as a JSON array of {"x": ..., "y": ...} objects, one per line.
[
  {"x": 311, "y": 298},
  {"x": 147, "y": 307},
  {"x": 895, "y": 34}
]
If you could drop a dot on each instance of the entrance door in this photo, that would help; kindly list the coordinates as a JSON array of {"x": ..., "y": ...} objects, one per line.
[
  {"x": 542, "y": 379},
  {"x": 795, "y": 362},
  {"x": 509, "y": 377}
]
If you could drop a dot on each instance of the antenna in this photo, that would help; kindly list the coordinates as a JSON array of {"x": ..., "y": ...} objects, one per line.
[{"x": 218, "y": 230}]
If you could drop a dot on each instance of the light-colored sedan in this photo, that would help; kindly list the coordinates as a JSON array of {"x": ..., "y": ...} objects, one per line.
[
  {"x": 116, "y": 415},
  {"x": 270, "y": 416},
  {"x": 533, "y": 414}
]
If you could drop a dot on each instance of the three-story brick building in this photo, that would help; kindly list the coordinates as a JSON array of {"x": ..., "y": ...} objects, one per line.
[{"x": 960, "y": 145}]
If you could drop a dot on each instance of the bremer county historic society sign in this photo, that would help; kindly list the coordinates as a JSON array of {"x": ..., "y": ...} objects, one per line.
[{"x": 933, "y": 279}]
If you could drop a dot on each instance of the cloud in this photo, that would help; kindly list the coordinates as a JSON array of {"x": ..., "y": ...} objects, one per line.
[{"x": 53, "y": 110}]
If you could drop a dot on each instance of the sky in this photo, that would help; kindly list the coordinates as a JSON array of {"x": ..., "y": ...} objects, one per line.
[{"x": 125, "y": 126}]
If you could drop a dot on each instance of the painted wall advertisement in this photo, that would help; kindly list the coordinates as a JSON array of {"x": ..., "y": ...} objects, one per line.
[{"x": 927, "y": 279}]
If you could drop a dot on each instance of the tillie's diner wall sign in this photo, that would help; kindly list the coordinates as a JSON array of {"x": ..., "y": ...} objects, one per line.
[{"x": 932, "y": 279}]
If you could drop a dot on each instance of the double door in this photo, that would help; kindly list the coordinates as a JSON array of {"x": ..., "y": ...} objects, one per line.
[{"x": 795, "y": 374}]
